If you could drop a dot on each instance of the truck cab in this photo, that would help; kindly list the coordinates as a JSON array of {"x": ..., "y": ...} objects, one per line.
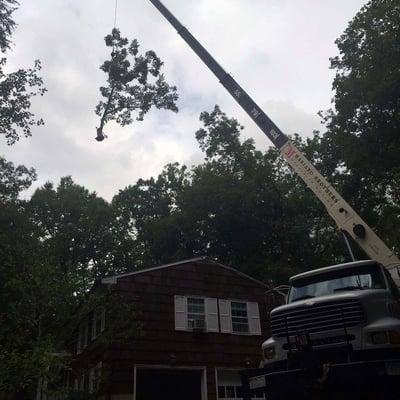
[{"x": 346, "y": 312}]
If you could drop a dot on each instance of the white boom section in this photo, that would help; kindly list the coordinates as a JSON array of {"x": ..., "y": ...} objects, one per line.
[{"x": 341, "y": 212}]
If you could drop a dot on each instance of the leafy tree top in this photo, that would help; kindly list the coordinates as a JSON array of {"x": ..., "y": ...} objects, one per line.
[
  {"x": 364, "y": 126},
  {"x": 134, "y": 84},
  {"x": 16, "y": 88},
  {"x": 14, "y": 180},
  {"x": 7, "y": 24}
]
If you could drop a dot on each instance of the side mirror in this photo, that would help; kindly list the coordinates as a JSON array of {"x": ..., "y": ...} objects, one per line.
[{"x": 277, "y": 296}]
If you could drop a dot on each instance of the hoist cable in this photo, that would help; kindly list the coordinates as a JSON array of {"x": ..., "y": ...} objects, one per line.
[
  {"x": 115, "y": 13},
  {"x": 115, "y": 23}
]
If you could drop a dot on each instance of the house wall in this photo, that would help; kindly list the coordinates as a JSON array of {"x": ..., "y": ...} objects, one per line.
[{"x": 160, "y": 344}]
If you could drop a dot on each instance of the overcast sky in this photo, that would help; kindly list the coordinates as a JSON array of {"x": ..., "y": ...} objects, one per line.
[{"x": 278, "y": 50}]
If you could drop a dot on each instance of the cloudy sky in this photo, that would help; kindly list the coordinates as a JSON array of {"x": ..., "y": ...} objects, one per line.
[{"x": 278, "y": 50}]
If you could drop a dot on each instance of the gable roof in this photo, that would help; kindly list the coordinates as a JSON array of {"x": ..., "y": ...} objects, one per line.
[{"x": 198, "y": 260}]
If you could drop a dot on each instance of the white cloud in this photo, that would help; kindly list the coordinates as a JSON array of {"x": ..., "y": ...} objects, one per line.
[{"x": 278, "y": 50}]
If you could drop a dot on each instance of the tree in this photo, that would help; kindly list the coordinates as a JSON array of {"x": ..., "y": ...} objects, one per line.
[
  {"x": 366, "y": 119},
  {"x": 13, "y": 180},
  {"x": 7, "y": 24},
  {"x": 53, "y": 247},
  {"x": 363, "y": 128},
  {"x": 135, "y": 83},
  {"x": 27, "y": 305},
  {"x": 241, "y": 206},
  {"x": 77, "y": 231},
  {"x": 16, "y": 88}
]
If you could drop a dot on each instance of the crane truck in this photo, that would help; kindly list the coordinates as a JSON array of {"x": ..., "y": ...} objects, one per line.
[{"x": 338, "y": 336}]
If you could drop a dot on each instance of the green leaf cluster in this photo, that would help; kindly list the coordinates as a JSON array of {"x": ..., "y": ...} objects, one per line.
[
  {"x": 18, "y": 88},
  {"x": 134, "y": 84}
]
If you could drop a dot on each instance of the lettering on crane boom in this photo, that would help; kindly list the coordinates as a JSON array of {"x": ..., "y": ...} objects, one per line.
[
  {"x": 255, "y": 113},
  {"x": 313, "y": 178},
  {"x": 274, "y": 133},
  {"x": 237, "y": 93}
]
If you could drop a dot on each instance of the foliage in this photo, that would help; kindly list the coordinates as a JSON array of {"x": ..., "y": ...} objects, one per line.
[
  {"x": 135, "y": 83},
  {"x": 363, "y": 129},
  {"x": 16, "y": 88},
  {"x": 27, "y": 306},
  {"x": 14, "y": 180},
  {"x": 52, "y": 249},
  {"x": 16, "y": 92},
  {"x": 7, "y": 24},
  {"x": 121, "y": 324},
  {"x": 240, "y": 206},
  {"x": 366, "y": 119}
]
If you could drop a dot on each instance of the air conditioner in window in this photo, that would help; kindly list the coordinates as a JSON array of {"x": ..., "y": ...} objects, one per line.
[{"x": 197, "y": 325}]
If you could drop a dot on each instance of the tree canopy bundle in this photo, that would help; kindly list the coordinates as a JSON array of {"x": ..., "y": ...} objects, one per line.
[{"x": 134, "y": 83}]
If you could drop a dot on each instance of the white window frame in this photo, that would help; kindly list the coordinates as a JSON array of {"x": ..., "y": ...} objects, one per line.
[
  {"x": 226, "y": 318},
  {"x": 217, "y": 385},
  {"x": 203, "y": 315},
  {"x": 81, "y": 384},
  {"x": 244, "y": 318},
  {"x": 95, "y": 377},
  {"x": 236, "y": 397},
  {"x": 98, "y": 315},
  {"x": 209, "y": 315},
  {"x": 83, "y": 335}
]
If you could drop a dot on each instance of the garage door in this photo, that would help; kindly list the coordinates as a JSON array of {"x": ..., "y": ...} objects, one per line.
[{"x": 152, "y": 384}]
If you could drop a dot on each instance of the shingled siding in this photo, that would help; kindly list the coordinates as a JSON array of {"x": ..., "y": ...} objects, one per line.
[{"x": 159, "y": 343}]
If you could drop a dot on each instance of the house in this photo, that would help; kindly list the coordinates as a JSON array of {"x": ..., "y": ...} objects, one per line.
[{"x": 199, "y": 323}]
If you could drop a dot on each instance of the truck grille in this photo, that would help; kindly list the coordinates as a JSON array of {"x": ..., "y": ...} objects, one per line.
[{"x": 320, "y": 317}]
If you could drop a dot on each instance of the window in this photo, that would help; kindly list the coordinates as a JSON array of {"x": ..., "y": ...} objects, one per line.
[
  {"x": 230, "y": 385},
  {"x": 230, "y": 392},
  {"x": 196, "y": 314},
  {"x": 227, "y": 392},
  {"x": 323, "y": 284},
  {"x": 83, "y": 382},
  {"x": 393, "y": 288},
  {"x": 196, "y": 317},
  {"x": 95, "y": 378},
  {"x": 98, "y": 323},
  {"x": 240, "y": 321},
  {"x": 90, "y": 328},
  {"x": 83, "y": 336},
  {"x": 234, "y": 393},
  {"x": 239, "y": 317},
  {"x": 89, "y": 380},
  {"x": 212, "y": 315}
]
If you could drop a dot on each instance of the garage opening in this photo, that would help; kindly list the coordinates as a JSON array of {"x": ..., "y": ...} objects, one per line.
[
  {"x": 229, "y": 384},
  {"x": 168, "y": 384}
]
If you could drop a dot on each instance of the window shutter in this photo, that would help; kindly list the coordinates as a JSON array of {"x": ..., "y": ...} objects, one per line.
[
  {"x": 91, "y": 380},
  {"x": 180, "y": 313},
  {"x": 103, "y": 320},
  {"x": 82, "y": 383},
  {"x": 79, "y": 343},
  {"x": 212, "y": 315},
  {"x": 85, "y": 334},
  {"x": 225, "y": 318},
  {"x": 94, "y": 326},
  {"x": 254, "y": 318}
]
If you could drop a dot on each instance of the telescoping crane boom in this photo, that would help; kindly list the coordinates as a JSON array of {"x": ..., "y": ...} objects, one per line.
[{"x": 346, "y": 218}]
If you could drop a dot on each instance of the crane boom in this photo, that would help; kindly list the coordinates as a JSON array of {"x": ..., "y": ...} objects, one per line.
[{"x": 342, "y": 213}]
